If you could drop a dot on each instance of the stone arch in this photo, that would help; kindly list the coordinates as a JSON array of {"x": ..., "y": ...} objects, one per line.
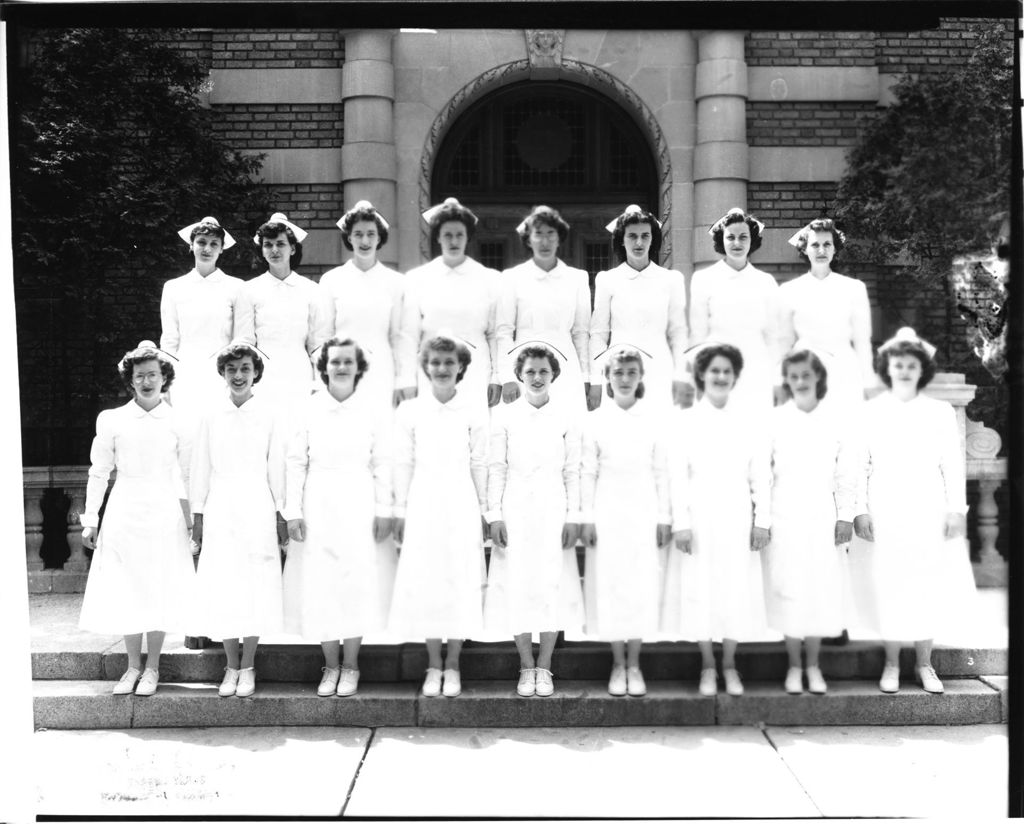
[{"x": 574, "y": 71}]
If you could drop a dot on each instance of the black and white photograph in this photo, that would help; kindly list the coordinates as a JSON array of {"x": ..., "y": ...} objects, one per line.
[{"x": 428, "y": 414}]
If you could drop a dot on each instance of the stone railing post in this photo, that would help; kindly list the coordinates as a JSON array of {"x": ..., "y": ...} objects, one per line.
[{"x": 983, "y": 446}]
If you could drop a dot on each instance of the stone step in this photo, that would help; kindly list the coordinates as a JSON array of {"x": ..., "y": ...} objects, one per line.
[
  {"x": 499, "y": 662},
  {"x": 90, "y": 705}
]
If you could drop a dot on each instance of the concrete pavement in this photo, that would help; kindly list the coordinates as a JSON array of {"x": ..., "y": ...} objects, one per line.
[{"x": 958, "y": 773}]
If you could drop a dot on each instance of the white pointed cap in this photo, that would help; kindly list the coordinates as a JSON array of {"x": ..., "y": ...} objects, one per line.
[
  {"x": 186, "y": 233},
  {"x": 429, "y": 215},
  {"x": 906, "y": 334},
  {"x": 363, "y": 206},
  {"x": 280, "y": 217},
  {"x": 632, "y": 208}
]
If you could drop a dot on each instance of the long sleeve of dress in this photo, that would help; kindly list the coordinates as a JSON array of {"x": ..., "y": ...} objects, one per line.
[
  {"x": 183, "y": 478},
  {"x": 677, "y": 332},
  {"x": 314, "y": 324},
  {"x": 760, "y": 477},
  {"x": 951, "y": 461},
  {"x": 199, "y": 473},
  {"x": 861, "y": 333},
  {"x": 491, "y": 332},
  {"x": 396, "y": 335},
  {"x": 847, "y": 465},
  {"x": 328, "y": 311},
  {"x": 277, "y": 472},
  {"x": 679, "y": 481},
  {"x": 404, "y": 457},
  {"x": 497, "y": 465},
  {"x": 412, "y": 329},
  {"x": 381, "y": 466},
  {"x": 784, "y": 323},
  {"x": 101, "y": 458},
  {"x": 773, "y": 335},
  {"x": 571, "y": 473},
  {"x": 662, "y": 483},
  {"x": 861, "y": 459},
  {"x": 170, "y": 334},
  {"x": 505, "y": 326},
  {"x": 600, "y": 326},
  {"x": 580, "y": 330},
  {"x": 700, "y": 309},
  {"x": 296, "y": 467},
  {"x": 478, "y": 431},
  {"x": 590, "y": 457}
]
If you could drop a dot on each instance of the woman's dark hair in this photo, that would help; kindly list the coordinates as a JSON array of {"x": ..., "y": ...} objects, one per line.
[
  {"x": 452, "y": 211},
  {"x": 537, "y": 352},
  {"x": 543, "y": 216},
  {"x": 440, "y": 343},
  {"x": 237, "y": 351},
  {"x": 362, "y": 364},
  {"x": 271, "y": 229},
  {"x": 905, "y": 347},
  {"x": 145, "y": 351},
  {"x": 821, "y": 224},
  {"x": 624, "y": 354},
  {"x": 628, "y": 219},
  {"x": 806, "y": 356},
  {"x": 709, "y": 353},
  {"x": 211, "y": 229},
  {"x": 353, "y": 216},
  {"x": 737, "y": 216}
]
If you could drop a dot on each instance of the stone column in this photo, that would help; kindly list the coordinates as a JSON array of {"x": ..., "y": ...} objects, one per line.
[
  {"x": 720, "y": 164},
  {"x": 368, "y": 156}
]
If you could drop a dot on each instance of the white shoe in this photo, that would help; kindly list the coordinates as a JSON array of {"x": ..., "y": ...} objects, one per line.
[
  {"x": 635, "y": 682},
  {"x": 617, "y": 681},
  {"x": 432, "y": 683},
  {"x": 708, "y": 682},
  {"x": 816, "y": 681},
  {"x": 148, "y": 682},
  {"x": 246, "y": 682},
  {"x": 527, "y": 685},
  {"x": 229, "y": 684},
  {"x": 452, "y": 683},
  {"x": 127, "y": 682},
  {"x": 545, "y": 682},
  {"x": 795, "y": 681},
  {"x": 733, "y": 684},
  {"x": 348, "y": 683},
  {"x": 890, "y": 680},
  {"x": 928, "y": 680},
  {"x": 329, "y": 682}
]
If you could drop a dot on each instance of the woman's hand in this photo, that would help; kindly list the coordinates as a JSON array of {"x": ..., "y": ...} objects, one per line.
[
  {"x": 510, "y": 392},
  {"x": 956, "y": 525},
  {"x": 398, "y": 530},
  {"x": 381, "y": 528},
  {"x": 588, "y": 534},
  {"x": 684, "y": 540},
  {"x": 663, "y": 535},
  {"x": 864, "y": 528},
  {"x": 396, "y": 398},
  {"x": 197, "y": 531},
  {"x": 779, "y": 395},
  {"x": 683, "y": 394},
  {"x": 499, "y": 534},
  {"x": 594, "y": 396},
  {"x": 493, "y": 394},
  {"x": 282, "y": 531},
  {"x": 485, "y": 528},
  {"x": 406, "y": 393},
  {"x": 570, "y": 534},
  {"x": 759, "y": 537},
  {"x": 297, "y": 529},
  {"x": 89, "y": 534},
  {"x": 844, "y": 532}
]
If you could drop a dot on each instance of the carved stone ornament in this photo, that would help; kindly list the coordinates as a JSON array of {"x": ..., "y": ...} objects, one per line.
[{"x": 545, "y": 47}]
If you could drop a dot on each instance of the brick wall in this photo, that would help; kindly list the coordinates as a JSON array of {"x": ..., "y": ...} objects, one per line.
[
  {"x": 810, "y": 48},
  {"x": 281, "y": 126},
  {"x": 786, "y": 203},
  {"x": 804, "y": 124},
  {"x": 929, "y": 51},
  {"x": 278, "y": 49}
]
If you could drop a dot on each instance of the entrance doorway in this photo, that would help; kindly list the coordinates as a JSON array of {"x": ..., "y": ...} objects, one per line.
[{"x": 553, "y": 143}]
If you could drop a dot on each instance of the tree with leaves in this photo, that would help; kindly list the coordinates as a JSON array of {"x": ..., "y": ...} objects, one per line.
[
  {"x": 113, "y": 153},
  {"x": 929, "y": 182}
]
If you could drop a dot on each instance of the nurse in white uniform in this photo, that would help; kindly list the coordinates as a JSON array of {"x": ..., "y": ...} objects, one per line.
[
  {"x": 643, "y": 304},
  {"x": 542, "y": 299},
  {"x": 733, "y": 302},
  {"x": 455, "y": 294}
]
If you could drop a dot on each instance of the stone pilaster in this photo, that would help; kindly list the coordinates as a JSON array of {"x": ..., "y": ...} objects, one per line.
[
  {"x": 368, "y": 157},
  {"x": 720, "y": 162}
]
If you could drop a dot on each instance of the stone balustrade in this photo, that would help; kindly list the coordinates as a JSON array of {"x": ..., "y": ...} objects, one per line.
[{"x": 981, "y": 448}]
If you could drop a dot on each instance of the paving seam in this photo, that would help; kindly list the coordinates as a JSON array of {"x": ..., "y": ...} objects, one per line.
[
  {"x": 355, "y": 775},
  {"x": 766, "y": 733}
]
